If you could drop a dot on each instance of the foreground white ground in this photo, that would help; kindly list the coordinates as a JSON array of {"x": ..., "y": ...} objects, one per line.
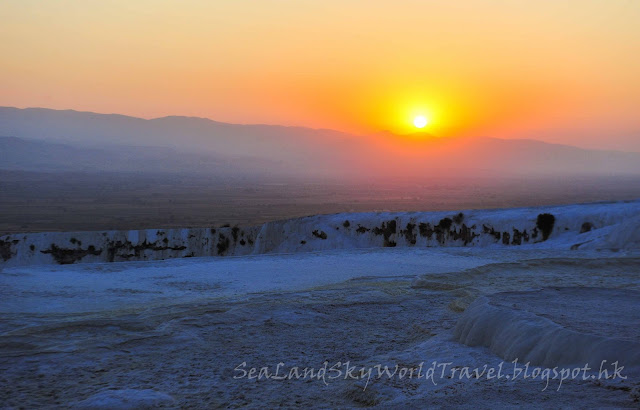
[{"x": 173, "y": 333}]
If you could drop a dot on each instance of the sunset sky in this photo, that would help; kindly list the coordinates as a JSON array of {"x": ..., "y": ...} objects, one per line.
[{"x": 559, "y": 71}]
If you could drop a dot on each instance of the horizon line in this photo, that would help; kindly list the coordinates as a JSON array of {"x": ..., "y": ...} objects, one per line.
[{"x": 309, "y": 128}]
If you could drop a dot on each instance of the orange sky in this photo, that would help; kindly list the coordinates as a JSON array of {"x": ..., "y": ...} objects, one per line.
[{"x": 560, "y": 71}]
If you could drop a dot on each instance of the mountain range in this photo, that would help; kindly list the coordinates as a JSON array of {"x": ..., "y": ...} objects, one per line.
[{"x": 54, "y": 140}]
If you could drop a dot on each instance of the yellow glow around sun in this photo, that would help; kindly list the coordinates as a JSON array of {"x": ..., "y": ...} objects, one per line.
[
  {"x": 420, "y": 121},
  {"x": 410, "y": 112}
]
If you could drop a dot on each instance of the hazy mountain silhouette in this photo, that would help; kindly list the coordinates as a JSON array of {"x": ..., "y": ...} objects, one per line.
[
  {"x": 187, "y": 144},
  {"x": 38, "y": 155}
]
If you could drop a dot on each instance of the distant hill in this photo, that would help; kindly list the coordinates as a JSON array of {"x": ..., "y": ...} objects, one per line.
[
  {"x": 34, "y": 155},
  {"x": 186, "y": 144},
  {"x": 186, "y": 134}
]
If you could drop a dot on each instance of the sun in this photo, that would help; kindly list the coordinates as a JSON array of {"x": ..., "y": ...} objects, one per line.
[{"x": 420, "y": 121}]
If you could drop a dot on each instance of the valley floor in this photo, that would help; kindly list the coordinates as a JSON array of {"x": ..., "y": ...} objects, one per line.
[{"x": 176, "y": 333}]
